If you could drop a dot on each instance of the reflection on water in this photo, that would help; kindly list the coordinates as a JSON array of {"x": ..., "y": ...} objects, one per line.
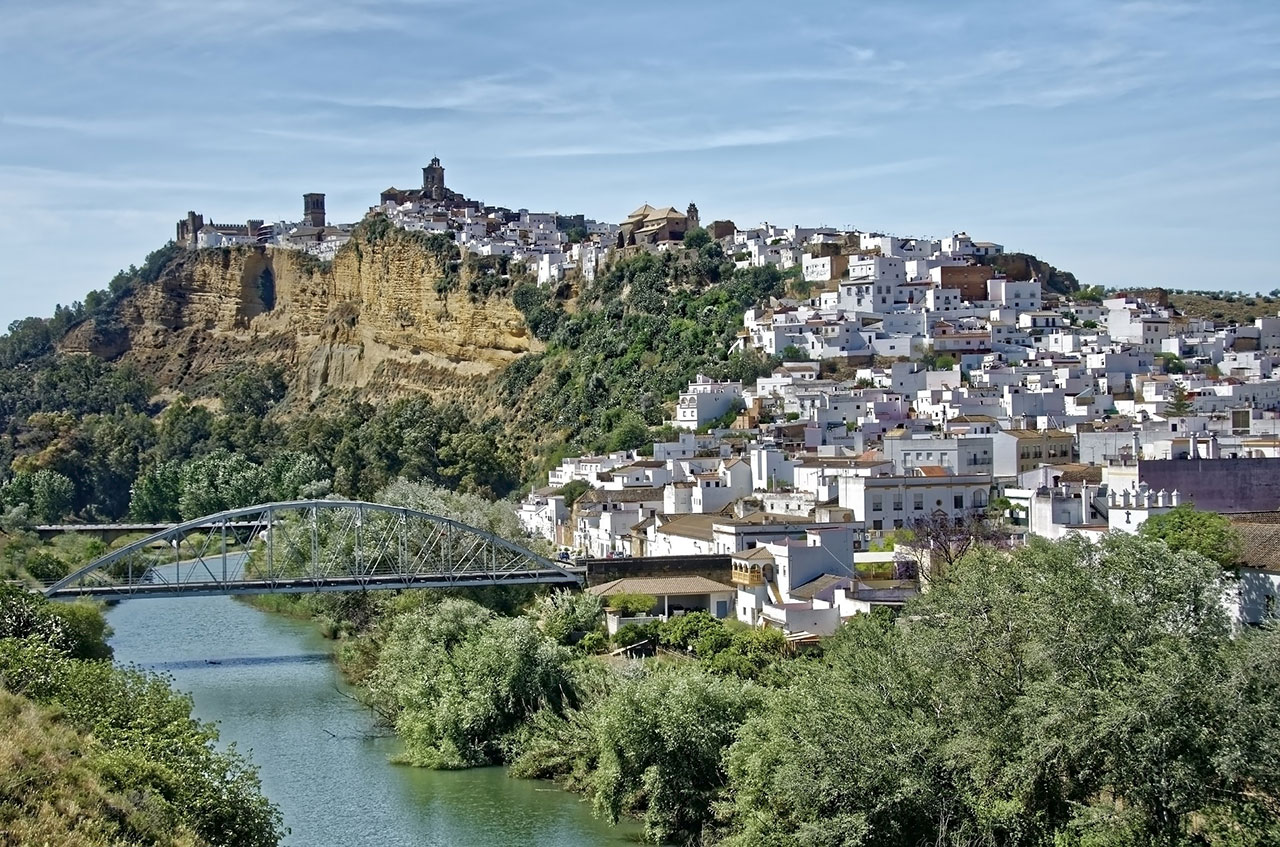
[
  {"x": 238, "y": 661},
  {"x": 268, "y": 683}
]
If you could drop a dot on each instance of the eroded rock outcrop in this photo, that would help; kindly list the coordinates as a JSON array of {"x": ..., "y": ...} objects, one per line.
[{"x": 385, "y": 318}]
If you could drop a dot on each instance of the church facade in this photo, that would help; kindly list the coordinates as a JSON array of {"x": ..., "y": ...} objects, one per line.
[
  {"x": 650, "y": 225},
  {"x": 433, "y": 189}
]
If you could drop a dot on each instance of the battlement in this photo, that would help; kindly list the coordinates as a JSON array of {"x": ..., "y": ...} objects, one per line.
[
  {"x": 187, "y": 231},
  {"x": 1129, "y": 498}
]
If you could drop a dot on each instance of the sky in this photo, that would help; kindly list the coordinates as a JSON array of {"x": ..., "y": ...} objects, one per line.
[{"x": 1132, "y": 143}]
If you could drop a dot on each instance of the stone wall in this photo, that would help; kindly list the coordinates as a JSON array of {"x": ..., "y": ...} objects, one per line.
[
  {"x": 600, "y": 571},
  {"x": 1217, "y": 485}
]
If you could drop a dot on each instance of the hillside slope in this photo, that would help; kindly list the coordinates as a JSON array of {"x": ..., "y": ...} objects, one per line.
[{"x": 212, "y": 379}]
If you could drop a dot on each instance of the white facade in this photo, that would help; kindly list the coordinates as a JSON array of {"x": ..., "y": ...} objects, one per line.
[{"x": 705, "y": 401}]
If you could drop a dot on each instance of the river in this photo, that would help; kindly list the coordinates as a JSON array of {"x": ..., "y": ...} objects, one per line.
[{"x": 269, "y": 684}]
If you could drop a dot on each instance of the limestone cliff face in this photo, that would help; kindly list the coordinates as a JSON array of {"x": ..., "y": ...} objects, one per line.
[{"x": 373, "y": 321}]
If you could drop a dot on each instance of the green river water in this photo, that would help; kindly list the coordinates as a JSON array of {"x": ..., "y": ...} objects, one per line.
[{"x": 269, "y": 684}]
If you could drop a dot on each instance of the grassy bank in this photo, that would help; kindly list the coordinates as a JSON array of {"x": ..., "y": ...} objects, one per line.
[{"x": 97, "y": 755}]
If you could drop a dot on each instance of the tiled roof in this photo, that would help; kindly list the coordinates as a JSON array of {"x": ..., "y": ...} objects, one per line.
[
  {"x": 1261, "y": 542},
  {"x": 1092, "y": 474},
  {"x": 625, "y": 495},
  {"x": 814, "y": 587},
  {"x": 1037, "y": 433},
  {"x": 758, "y": 554},
  {"x": 690, "y": 526}
]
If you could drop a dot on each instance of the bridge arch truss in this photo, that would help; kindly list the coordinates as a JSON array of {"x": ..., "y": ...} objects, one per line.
[{"x": 307, "y": 546}]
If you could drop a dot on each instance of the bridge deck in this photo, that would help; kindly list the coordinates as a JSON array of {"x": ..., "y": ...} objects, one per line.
[
  {"x": 124, "y": 527},
  {"x": 389, "y": 582}
]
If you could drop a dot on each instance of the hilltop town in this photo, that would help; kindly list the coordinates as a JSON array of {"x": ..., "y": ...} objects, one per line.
[{"x": 925, "y": 387}]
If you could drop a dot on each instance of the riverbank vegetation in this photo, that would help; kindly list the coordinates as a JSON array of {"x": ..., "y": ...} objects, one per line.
[
  {"x": 1061, "y": 694},
  {"x": 97, "y": 755}
]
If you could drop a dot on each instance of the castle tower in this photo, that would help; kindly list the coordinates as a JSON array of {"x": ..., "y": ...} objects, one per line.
[
  {"x": 313, "y": 209},
  {"x": 188, "y": 228},
  {"x": 433, "y": 180}
]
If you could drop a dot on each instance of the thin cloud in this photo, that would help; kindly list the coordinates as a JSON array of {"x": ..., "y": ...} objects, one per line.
[
  {"x": 747, "y": 137},
  {"x": 93, "y": 127},
  {"x": 1253, "y": 93}
]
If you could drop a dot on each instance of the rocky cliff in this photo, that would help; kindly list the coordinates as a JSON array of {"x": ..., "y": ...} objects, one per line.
[{"x": 386, "y": 317}]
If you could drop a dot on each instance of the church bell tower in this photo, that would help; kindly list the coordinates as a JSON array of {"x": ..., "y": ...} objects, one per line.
[{"x": 433, "y": 180}]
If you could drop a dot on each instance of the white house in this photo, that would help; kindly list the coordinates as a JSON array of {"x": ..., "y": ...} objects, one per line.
[{"x": 704, "y": 401}]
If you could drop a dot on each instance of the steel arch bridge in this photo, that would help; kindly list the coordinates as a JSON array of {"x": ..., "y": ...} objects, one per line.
[{"x": 307, "y": 546}]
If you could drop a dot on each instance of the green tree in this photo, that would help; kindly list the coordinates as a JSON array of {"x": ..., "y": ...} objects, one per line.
[
  {"x": 631, "y": 603},
  {"x": 697, "y": 237},
  {"x": 661, "y": 743},
  {"x": 458, "y": 681},
  {"x": 685, "y": 631},
  {"x": 218, "y": 481},
  {"x": 635, "y": 633},
  {"x": 750, "y": 653},
  {"x": 185, "y": 430},
  {"x": 84, "y": 631},
  {"x": 156, "y": 493},
  {"x": 1061, "y": 694},
  {"x": 52, "y": 495},
  {"x": 292, "y": 475},
  {"x": 651, "y": 745},
  {"x": 1173, "y": 363},
  {"x": 44, "y": 566},
  {"x": 572, "y": 490},
  {"x": 630, "y": 433},
  {"x": 252, "y": 390},
  {"x": 562, "y": 615},
  {"x": 1188, "y": 529},
  {"x": 1180, "y": 405}
]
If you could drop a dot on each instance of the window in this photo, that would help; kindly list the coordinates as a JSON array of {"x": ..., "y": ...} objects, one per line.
[
  {"x": 918, "y": 502},
  {"x": 958, "y": 500},
  {"x": 877, "y": 503}
]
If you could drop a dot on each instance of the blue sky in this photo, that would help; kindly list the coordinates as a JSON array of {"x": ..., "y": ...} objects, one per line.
[{"x": 1130, "y": 142}]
